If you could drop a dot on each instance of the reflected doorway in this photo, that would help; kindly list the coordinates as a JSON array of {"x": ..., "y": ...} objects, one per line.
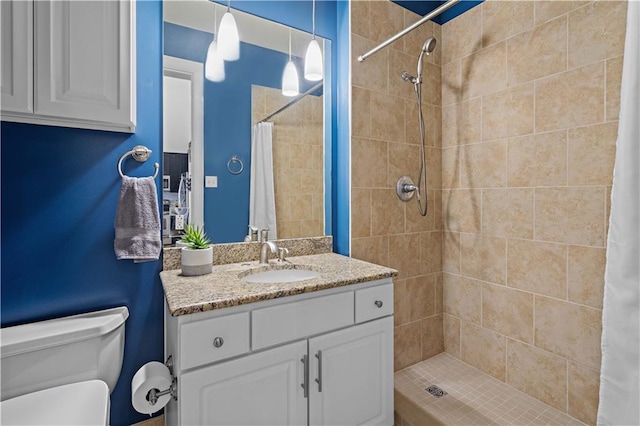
[{"x": 183, "y": 129}]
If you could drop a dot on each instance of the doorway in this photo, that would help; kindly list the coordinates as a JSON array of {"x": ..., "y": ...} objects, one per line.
[{"x": 183, "y": 148}]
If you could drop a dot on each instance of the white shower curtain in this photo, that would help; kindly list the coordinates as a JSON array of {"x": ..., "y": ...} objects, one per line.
[
  {"x": 262, "y": 202},
  {"x": 620, "y": 371}
]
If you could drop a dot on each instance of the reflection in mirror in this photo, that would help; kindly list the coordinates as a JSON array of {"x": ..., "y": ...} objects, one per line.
[
  {"x": 298, "y": 158},
  {"x": 208, "y": 127}
]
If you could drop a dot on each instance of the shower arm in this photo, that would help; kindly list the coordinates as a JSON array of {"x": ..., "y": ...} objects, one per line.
[{"x": 437, "y": 11}]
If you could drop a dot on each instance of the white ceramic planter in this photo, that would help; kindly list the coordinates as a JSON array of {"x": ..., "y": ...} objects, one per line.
[{"x": 197, "y": 262}]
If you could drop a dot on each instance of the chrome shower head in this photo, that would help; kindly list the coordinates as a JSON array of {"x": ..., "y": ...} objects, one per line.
[
  {"x": 429, "y": 45},
  {"x": 427, "y": 48}
]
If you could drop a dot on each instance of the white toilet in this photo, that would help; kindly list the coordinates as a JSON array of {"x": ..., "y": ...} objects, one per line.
[{"x": 61, "y": 371}]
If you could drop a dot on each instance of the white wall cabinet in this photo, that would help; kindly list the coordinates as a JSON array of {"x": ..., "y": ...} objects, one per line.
[
  {"x": 314, "y": 368},
  {"x": 16, "y": 38},
  {"x": 69, "y": 63}
]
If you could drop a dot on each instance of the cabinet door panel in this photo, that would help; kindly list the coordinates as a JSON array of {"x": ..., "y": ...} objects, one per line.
[
  {"x": 16, "y": 43},
  {"x": 355, "y": 374},
  {"x": 259, "y": 389},
  {"x": 83, "y": 60}
]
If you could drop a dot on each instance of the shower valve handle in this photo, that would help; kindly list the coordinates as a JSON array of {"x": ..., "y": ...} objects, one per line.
[{"x": 407, "y": 188}]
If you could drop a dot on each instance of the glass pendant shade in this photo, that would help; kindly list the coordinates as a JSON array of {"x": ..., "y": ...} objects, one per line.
[
  {"x": 214, "y": 65},
  {"x": 228, "y": 39},
  {"x": 290, "y": 84},
  {"x": 313, "y": 62}
]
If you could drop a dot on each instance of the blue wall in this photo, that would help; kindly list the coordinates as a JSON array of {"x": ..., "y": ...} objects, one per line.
[
  {"x": 341, "y": 150},
  {"x": 59, "y": 195}
]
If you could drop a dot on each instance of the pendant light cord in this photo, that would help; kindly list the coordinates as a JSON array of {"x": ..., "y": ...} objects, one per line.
[
  {"x": 289, "y": 43},
  {"x": 228, "y": 5},
  {"x": 215, "y": 22},
  {"x": 313, "y": 18}
]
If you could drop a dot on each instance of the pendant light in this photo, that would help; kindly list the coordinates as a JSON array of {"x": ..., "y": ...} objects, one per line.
[
  {"x": 290, "y": 84},
  {"x": 313, "y": 58},
  {"x": 229, "y": 41},
  {"x": 214, "y": 64}
]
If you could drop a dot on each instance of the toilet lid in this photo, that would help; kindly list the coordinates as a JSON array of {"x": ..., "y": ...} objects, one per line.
[{"x": 82, "y": 403}]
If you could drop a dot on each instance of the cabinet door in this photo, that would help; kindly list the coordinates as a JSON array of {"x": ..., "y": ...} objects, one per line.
[
  {"x": 83, "y": 61},
  {"x": 352, "y": 375},
  {"x": 259, "y": 389},
  {"x": 16, "y": 44}
]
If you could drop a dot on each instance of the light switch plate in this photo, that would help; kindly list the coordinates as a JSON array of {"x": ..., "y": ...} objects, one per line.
[{"x": 211, "y": 181}]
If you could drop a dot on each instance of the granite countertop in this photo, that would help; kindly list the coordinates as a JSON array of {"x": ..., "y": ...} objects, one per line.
[{"x": 224, "y": 287}]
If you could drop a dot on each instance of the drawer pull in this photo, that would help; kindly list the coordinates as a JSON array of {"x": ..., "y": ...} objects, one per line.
[
  {"x": 218, "y": 342},
  {"x": 305, "y": 375},
  {"x": 319, "y": 379},
  {"x": 378, "y": 303}
]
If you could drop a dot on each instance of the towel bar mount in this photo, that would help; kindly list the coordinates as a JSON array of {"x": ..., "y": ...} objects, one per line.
[{"x": 140, "y": 153}]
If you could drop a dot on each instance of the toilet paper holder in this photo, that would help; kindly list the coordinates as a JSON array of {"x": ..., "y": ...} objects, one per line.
[{"x": 154, "y": 394}]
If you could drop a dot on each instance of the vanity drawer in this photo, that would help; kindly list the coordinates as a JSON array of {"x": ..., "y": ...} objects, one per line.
[
  {"x": 374, "y": 302},
  {"x": 214, "y": 339},
  {"x": 290, "y": 321}
]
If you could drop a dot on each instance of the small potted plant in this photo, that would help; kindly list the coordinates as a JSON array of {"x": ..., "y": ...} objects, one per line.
[{"x": 197, "y": 257}]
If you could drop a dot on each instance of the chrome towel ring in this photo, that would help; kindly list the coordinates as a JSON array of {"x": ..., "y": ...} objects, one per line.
[
  {"x": 141, "y": 154},
  {"x": 238, "y": 169}
]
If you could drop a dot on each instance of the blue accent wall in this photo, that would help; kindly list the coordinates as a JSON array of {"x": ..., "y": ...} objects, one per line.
[
  {"x": 59, "y": 194},
  {"x": 294, "y": 13},
  {"x": 341, "y": 153}
]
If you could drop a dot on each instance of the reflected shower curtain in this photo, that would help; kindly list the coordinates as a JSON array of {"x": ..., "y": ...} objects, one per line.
[
  {"x": 620, "y": 371},
  {"x": 262, "y": 202}
]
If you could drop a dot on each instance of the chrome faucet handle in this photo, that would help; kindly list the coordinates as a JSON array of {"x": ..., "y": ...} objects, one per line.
[
  {"x": 264, "y": 254},
  {"x": 282, "y": 251},
  {"x": 264, "y": 235},
  {"x": 253, "y": 231}
]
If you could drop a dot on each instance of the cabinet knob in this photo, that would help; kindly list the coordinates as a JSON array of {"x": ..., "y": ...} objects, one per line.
[
  {"x": 218, "y": 342},
  {"x": 378, "y": 303}
]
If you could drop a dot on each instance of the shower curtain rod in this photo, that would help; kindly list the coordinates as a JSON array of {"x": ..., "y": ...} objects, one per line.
[
  {"x": 294, "y": 101},
  {"x": 437, "y": 11}
]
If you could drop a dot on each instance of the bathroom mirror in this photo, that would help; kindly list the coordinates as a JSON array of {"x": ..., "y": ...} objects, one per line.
[{"x": 208, "y": 126}]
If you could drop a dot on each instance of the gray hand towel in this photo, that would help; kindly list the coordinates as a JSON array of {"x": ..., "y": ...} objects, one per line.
[{"x": 137, "y": 222}]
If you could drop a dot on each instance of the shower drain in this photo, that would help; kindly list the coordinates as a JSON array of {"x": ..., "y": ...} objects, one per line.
[{"x": 436, "y": 391}]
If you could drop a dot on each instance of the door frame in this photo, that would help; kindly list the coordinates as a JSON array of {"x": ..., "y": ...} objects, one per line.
[{"x": 192, "y": 71}]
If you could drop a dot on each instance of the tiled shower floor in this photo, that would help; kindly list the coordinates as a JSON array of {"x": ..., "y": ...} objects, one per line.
[{"x": 474, "y": 398}]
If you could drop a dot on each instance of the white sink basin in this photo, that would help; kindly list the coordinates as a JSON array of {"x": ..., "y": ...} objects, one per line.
[{"x": 281, "y": 276}]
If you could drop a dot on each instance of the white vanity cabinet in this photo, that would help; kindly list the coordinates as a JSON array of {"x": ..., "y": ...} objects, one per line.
[
  {"x": 323, "y": 358},
  {"x": 69, "y": 63}
]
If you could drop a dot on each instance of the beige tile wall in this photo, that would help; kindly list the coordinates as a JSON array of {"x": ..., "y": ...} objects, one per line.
[
  {"x": 530, "y": 94},
  {"x": 385, "y": 144},
  {"x": 506, "y": 272},
  {"x": 298, "y": 158}
]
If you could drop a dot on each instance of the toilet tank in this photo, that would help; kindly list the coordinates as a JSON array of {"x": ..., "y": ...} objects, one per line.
[{"x": 60, "y": 351}]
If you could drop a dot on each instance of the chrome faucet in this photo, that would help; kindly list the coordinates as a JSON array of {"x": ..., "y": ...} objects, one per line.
[{"x": 264, "y": 254}]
